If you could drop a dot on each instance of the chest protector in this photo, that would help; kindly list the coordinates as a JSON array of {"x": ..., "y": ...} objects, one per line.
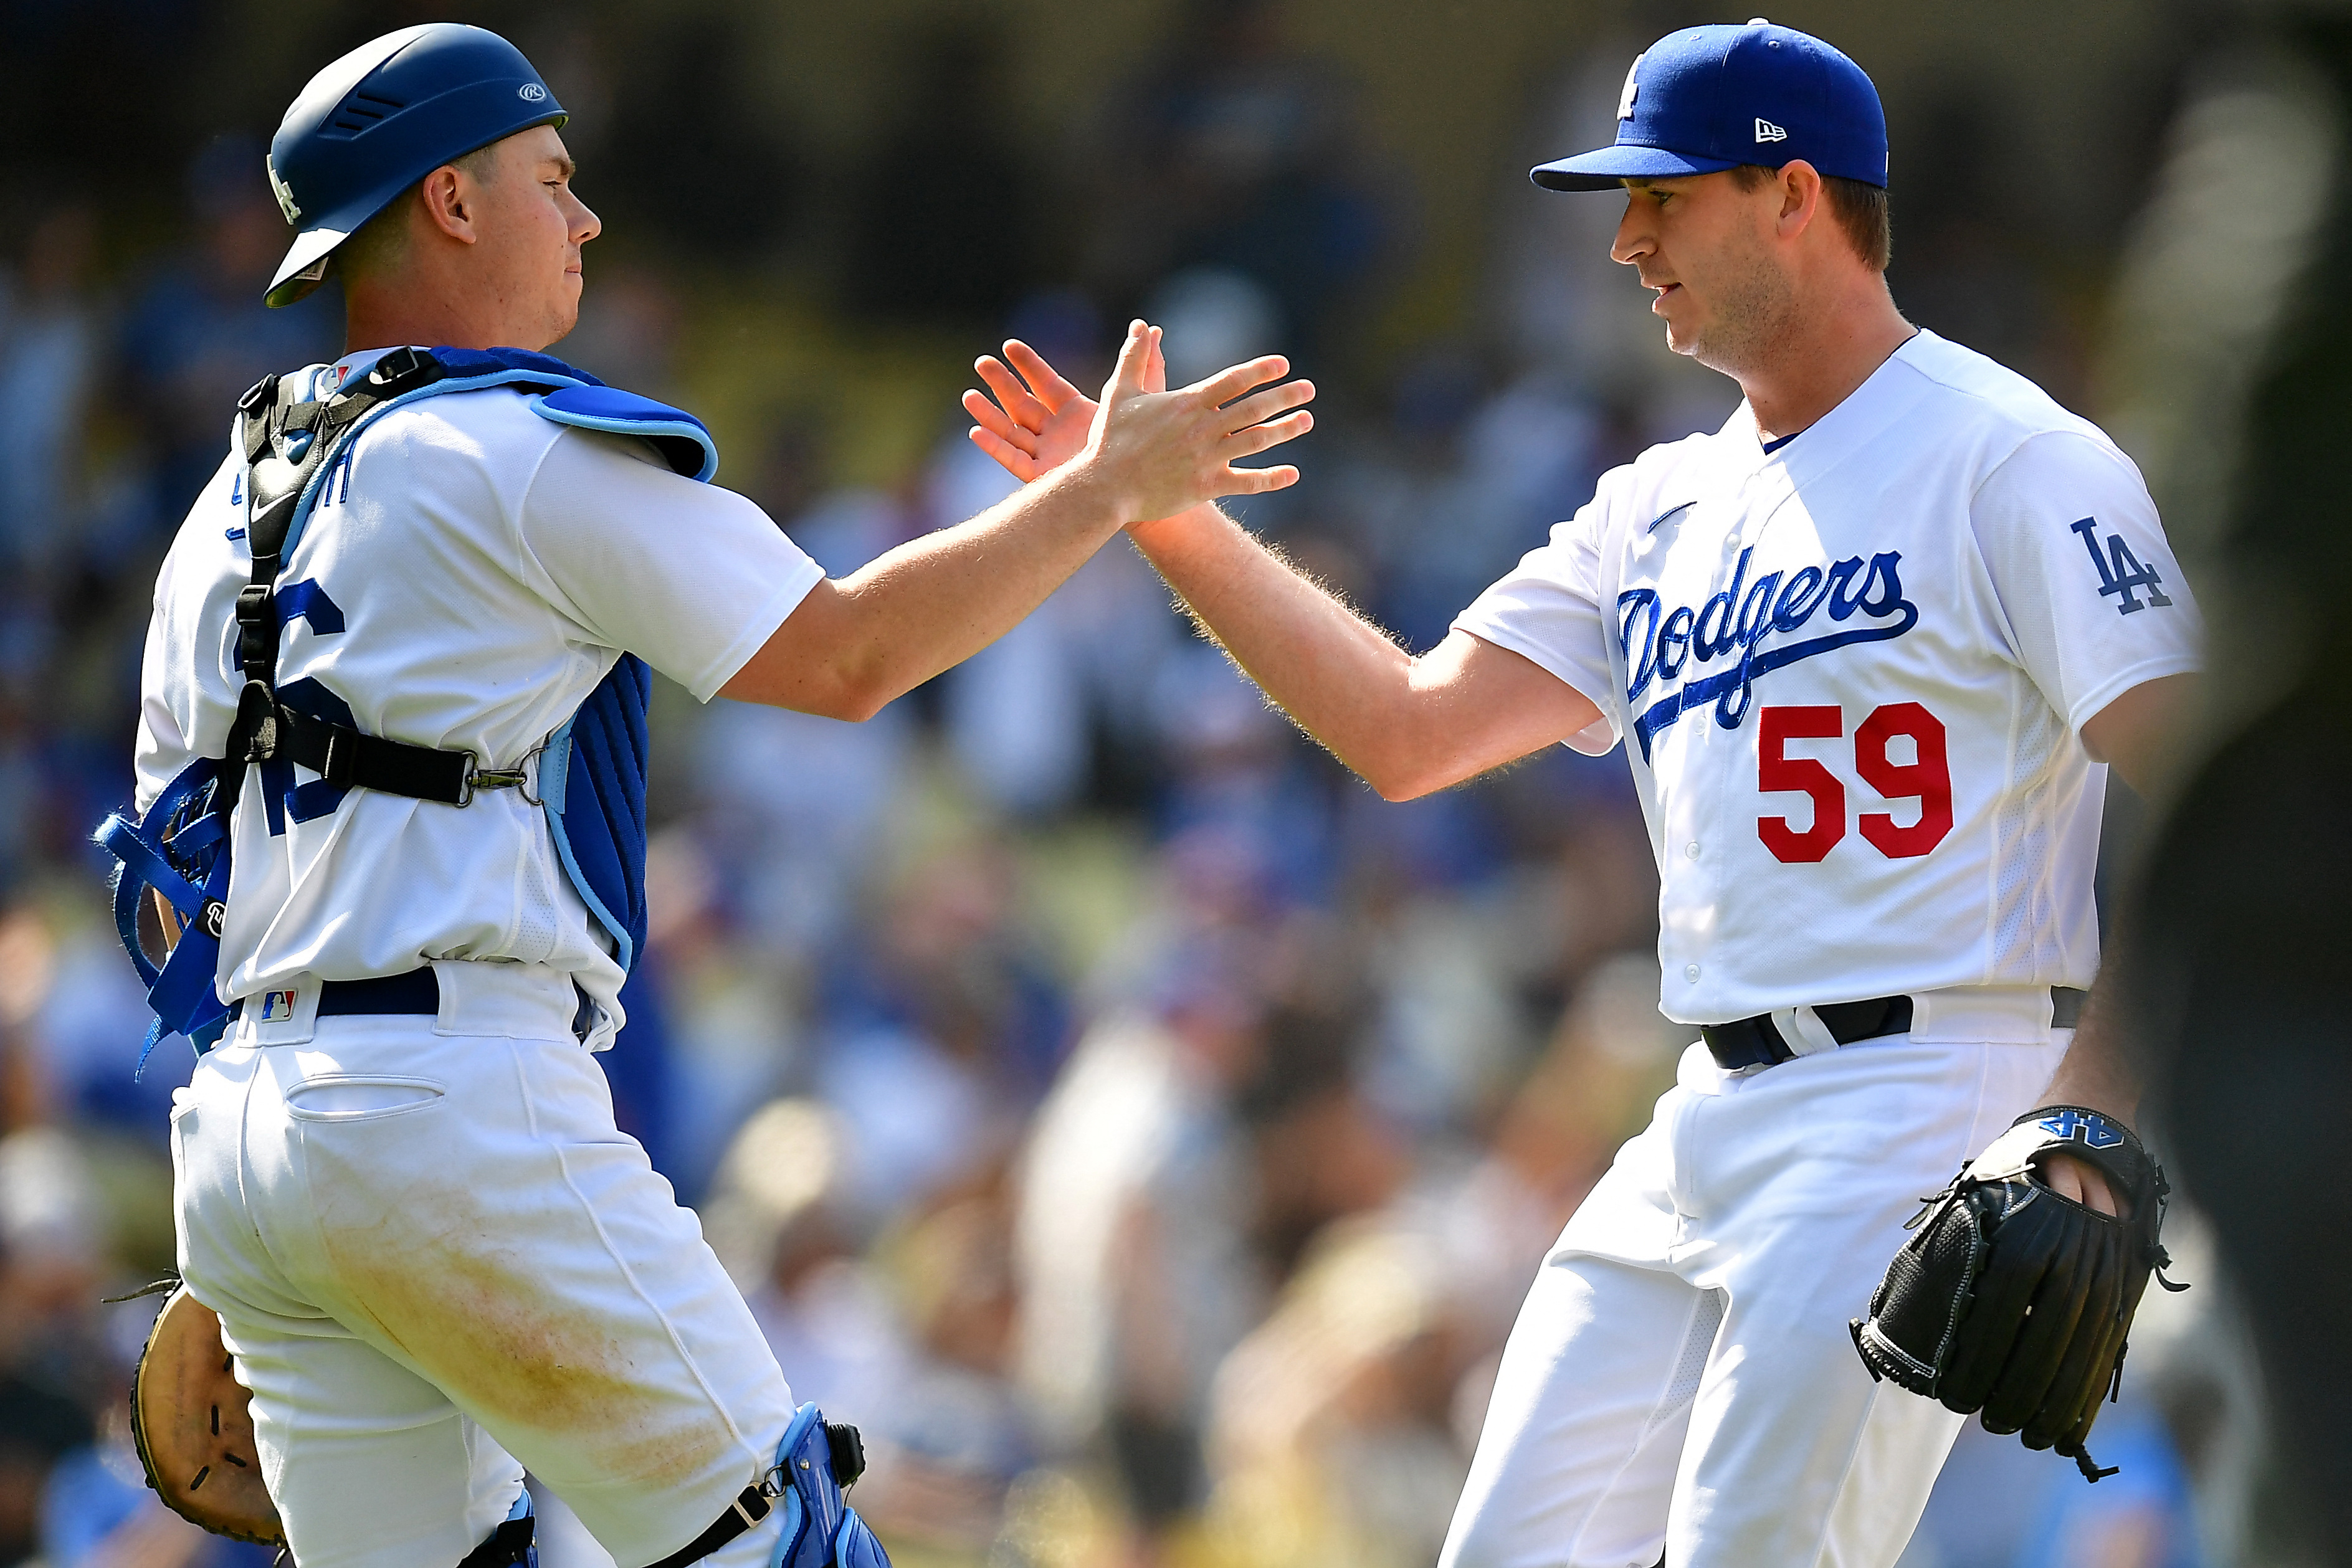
[{"x": 592, "y": 769}]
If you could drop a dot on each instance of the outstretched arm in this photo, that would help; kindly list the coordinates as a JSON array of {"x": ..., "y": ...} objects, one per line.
[
  {"x": 852, "y": 645},
  {"x": 1407, "y": 725}
]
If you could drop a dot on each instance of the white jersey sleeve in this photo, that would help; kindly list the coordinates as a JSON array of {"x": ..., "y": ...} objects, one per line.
[
  {"x": 2078, "y": 559},
  {"x": 1550, "y": 609},
  {"x": 188, "y": 680},
  {"x": 690, "y": 578}
]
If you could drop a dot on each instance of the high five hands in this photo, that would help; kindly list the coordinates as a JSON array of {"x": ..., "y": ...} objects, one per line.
[{"x": 1163, "y": 452}]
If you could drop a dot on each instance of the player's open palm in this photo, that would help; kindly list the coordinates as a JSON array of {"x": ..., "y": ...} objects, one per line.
[
  {"x": 1166, "y": 451},
  {"x": 1037, "y": 420}
]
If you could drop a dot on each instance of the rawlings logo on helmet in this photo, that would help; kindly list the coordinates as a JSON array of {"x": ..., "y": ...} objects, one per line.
[
  {"x": 283, "y": 192},
  {"x": 531, "y": 92}
]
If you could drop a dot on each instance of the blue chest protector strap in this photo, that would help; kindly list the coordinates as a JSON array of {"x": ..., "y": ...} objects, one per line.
[{"x": 591, "y": 771}]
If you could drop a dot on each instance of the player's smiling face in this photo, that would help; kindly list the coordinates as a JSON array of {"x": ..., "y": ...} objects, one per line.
[
  {"x": 1703, "y": 246},
  {"x": 533, "y": 228}
]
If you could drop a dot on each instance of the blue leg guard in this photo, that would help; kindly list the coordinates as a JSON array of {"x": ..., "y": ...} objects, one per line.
[{"x": 821, "y": 1529}]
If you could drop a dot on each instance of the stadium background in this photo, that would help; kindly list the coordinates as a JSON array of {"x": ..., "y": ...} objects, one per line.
[{"x": 1143, "y": 1130}]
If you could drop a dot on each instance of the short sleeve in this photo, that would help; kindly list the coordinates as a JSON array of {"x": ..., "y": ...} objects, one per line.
[
  {"x": 2092, "y": 595},
  {"x": 163, "y": 749},
  {"x": 188, "y": 683},
  {"x": 1549, "y": 609},
  {"x": 690, "y": 578}
]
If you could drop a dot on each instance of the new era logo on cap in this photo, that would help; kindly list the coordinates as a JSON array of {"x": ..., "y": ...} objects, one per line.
[{"x": 1768, "y": 132}]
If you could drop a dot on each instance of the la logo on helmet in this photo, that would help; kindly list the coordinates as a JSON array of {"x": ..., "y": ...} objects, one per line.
[{"x": 284, "y": 193}]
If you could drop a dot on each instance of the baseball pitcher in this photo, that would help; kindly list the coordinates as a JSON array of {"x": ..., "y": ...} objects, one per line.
[{"x": 1870, "y": 648}]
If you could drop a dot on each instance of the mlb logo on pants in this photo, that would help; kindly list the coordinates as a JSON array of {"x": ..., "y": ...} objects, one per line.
[{"x": 276, "y": 1004}]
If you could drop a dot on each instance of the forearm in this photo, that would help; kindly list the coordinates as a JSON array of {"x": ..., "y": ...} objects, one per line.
[
  {"x": 857, "y": 644},
  {"x": 1399, "y": 722},
  {"x": 2093, "y": 1072},
  {"x": 934, "y": 602}
]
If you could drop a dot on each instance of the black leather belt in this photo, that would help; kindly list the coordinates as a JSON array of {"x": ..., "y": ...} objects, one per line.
[
  {"x": 1758, "y": 1043},
  {"x": 415, "y": 992}
]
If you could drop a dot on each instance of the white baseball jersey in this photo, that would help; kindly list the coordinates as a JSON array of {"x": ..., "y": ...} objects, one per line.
[
  {"x": 1851, "y": 675},
  {"x": 477, "y": 570}
]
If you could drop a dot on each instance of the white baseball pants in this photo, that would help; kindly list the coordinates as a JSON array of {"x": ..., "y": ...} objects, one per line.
[
  {"x": 1681, "y": 1380},
  {"x": 438, "y": 1261}
]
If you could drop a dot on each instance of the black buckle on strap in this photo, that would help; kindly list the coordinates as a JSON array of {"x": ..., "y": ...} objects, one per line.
[
  {"x": 346, "y": 757},
  {"x": 404, "y": 369},
  {"x": 257, "y": 632},
  {"x": 253, "y": 418}
]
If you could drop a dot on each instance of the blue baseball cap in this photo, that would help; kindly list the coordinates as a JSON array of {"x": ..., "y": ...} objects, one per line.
[
  {"x": 381, "y": 119},
  {"x": 1708, "y": 99}
]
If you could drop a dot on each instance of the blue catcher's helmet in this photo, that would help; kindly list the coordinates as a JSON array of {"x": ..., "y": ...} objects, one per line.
[{"x": 381, "y": 119}]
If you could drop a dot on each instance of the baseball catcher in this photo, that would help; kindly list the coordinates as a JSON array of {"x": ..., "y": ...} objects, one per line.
[{"x": 398, "y": 675}]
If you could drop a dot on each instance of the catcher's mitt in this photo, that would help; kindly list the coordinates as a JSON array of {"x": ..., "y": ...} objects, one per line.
[
  {"x": 2015, "y": 1301},
  {"x": 189, "y": 1419}
]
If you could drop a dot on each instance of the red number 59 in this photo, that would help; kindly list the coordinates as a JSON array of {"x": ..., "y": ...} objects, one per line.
[{"x": 1928, "y": 779}]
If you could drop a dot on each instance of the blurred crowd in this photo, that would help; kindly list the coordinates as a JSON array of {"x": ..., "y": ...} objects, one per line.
[{"x": 1141, "y": 1130}]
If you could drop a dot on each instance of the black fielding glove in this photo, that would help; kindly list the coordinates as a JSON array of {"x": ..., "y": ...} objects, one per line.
[{"x": 2012, "y": 1300}]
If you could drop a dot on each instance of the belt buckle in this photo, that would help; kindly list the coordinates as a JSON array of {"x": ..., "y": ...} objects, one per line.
[{"x": 343, "y": 756}]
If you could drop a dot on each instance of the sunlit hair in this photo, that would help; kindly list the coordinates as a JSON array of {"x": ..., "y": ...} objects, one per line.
[{"x": 1860, "y": 208}]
